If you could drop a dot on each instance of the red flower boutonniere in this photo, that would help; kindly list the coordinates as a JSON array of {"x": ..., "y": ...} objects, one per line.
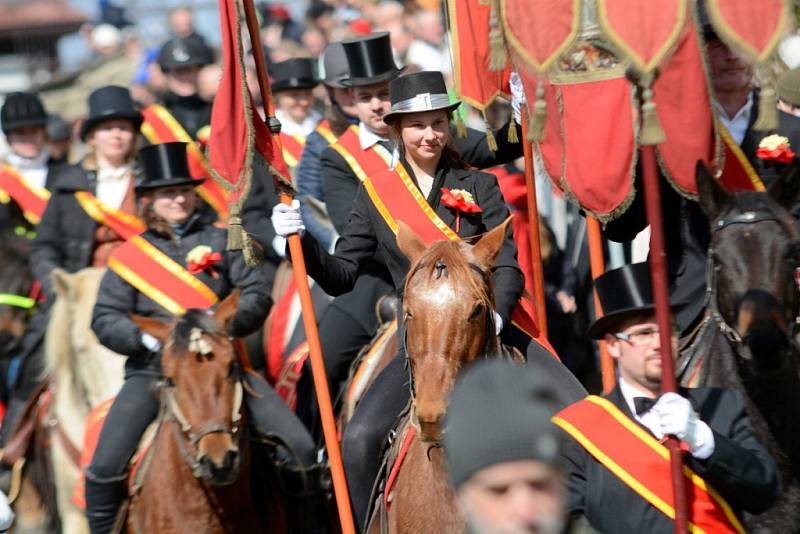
[
  {"x": 775, "y": 148},
  {"x": 461, "y": 201},
  {"x": 202, "y": 258}
]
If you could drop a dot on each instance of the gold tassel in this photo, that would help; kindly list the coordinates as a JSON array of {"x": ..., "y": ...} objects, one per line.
[
  {"x": 537, "y": 121},
  {"x": 767, "y": 109},
  {"x": 490, "y": 140},
  {"x": 497, "y": 47},
  {"x": 651, "y": 134},
  {"x": 253, "y": 254},
  {"x": 235, "y": 229},
  {"x": 513, "y": 137},
  {"x": 461, "y": 128}
]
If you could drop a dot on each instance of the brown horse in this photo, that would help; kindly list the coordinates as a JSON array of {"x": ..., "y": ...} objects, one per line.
[
  {"x": 448, "y": 312},
  {"x": 198, "y": 476}
]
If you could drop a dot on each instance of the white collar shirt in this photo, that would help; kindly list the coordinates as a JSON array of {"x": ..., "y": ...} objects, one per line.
[{"x": 738, "y": 124}]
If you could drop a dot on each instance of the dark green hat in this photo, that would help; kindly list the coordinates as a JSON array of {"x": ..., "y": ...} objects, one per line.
[{"x": 789, "y": 87}]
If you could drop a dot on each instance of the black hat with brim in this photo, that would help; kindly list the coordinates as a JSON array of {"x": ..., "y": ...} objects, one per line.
[
  {"x": 22, "y": 110},
  {"x": 417, "y": 93},
  {"x": 165, "y": 165},
  {"x": 334, "y": 65},
  {"x": 109, "y": 103},
  {"x": 370, "y": 60},
  {"x": 625, "y": 293},
  {"x": 295, "y": 73},
  {"x": 181, "y": 52}
]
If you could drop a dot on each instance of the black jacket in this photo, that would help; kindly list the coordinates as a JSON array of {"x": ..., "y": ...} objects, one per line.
[
  {"x": 740, "y": 469},
  {"x": 367, "y": 233},
  {"x": 191, "y": 111},
  {"x": 117, "y": 299}
]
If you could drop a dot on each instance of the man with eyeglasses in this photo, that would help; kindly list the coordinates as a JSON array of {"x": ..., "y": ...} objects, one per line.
[{"x": 618, "y": 473}]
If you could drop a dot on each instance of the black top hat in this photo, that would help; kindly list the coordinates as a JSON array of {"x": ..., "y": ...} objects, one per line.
[
  {"x": 185, "y": 52},
  {"x": 165, "y": 165},
  {"x": 418, "y": 92},
  {"x": 108, "y": 103},
  {"x": 295, "y": 73},
  {"x": 334, "y": 65},
  {"x": 625, "y": 292},
  {"x": 370, "y": 60},
  {"x": 22, "y": 110}
]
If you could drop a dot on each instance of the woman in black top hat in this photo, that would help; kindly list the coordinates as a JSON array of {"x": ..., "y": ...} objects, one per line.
[
  {"x": 168, "y": 205},
  {"x": 420, "y": 122}
]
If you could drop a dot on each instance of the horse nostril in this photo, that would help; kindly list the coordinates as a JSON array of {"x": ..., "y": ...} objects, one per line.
[{"x": 230, "y": 460}]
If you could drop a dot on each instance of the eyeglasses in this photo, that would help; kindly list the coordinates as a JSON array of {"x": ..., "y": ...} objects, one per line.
[{"x": 639, "y": 337}]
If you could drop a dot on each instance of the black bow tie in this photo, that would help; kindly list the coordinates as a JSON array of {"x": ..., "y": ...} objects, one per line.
[{"x": 643, "y": 404}]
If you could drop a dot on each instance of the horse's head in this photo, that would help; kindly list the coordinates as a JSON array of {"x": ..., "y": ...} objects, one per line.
[
  {"x": 448, "y": 306},
  {"x": 203, "y": 392},
  {"x": 16, "y": 282},
  {"x": 754, "y": 257}
]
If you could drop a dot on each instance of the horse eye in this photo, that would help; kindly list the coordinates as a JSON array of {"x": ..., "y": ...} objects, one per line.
[
  {"x": 408, "y": 316},
  {"x": 476, "y": 312}
]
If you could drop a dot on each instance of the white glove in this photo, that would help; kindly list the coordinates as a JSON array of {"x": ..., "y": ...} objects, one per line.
[
  {"x": 498, "y": 323},
  {"x": 279, "y": 245},
  {"x": 6, "y": 514},
  {"x": 286, "y": 219},
  {"x": 151, "y": 343},
  {"x": 517, "y": 96},
  {"x": 677, "y": 418}
]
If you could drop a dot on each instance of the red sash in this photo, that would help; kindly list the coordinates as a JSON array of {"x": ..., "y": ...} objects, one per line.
[
  {"x": 161, "y": 127},
  {"x": 158, "y": 276},
  {"x": 124, "y": 224},
  {"x": 293, "y": 146},
  {"x": 641, "y": 462},
  {"x": 324, "y": 129},
  {"x": 31, "y": 200},
  {"x": 394, "y": 195},
  {"x": 738, "y": 173}
]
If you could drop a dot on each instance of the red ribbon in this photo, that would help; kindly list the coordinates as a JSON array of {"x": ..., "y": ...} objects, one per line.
[
  {"x": 205, "y": 263},
  {"x": 458, "y": 203},
  {"x": 781, "y": 154}
]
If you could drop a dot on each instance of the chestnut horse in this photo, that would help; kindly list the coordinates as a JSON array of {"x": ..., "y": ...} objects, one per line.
[{"x": 198, "y": 475}]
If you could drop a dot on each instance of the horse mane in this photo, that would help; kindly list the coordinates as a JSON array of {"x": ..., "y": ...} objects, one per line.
[
  {"x": 16, "y": 276},
  {"x": 758, "y": 201},
  {"x": 193, "y": 318},
  {"x": 454, "y": 258}
]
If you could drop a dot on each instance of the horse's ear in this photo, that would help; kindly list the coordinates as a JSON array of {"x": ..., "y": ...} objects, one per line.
[
  {"x": 785, "y": 190},
  {"x": 487, "y": 249},
  {"x": 409, "y": 242},
  {"x": 158, "y": 329},
  {"x": 712, "y": 195},
  {"x": 227, "y": 309},
  {"x": 61, "y": 282}
]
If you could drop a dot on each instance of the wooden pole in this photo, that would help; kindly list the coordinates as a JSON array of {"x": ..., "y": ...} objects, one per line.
[
  {"x": 598, "y": 266},
  {"x": 658, "y": 273},
  {"x": 533, "y": 226},
  {"x": 309, "y": 320}
]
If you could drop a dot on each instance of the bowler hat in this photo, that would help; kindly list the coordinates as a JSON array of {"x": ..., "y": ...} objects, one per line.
[
  {"x": 22, "y": 110},
  {"x": 295, "y": 73},
  {"x": 370, "y": 60},
  {"x": 334, "y": 65},
  {"x": 189, "y": 51},
  {"x": 624, "y": 293},
  {"x": 108, "y": 103},
  {"x": 418, "y": 92},
  {"x": 165, "y": 165}
]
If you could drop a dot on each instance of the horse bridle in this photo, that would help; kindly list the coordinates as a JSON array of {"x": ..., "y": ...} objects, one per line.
[
  {"x": 185, "y": 435},
  {"x": 746, "y": 217}
]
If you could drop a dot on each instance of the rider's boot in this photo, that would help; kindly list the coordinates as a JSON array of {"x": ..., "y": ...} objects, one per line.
[
  {"x": 306, "y": 493},
  {"x": 103, "y": 499}
]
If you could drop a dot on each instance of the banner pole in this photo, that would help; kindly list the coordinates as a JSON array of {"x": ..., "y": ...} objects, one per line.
[
  {"x": 304, "y": 292},
  {"x": 598, "y": 267}
]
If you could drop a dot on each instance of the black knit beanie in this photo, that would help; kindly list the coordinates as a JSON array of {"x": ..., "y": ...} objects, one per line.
[{"x": 499, "y": 412}]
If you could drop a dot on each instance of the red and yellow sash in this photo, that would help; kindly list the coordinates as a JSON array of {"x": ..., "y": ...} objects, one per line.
[
  {"x": 124, "y": 224},
  {"x": 394, "y": 195},
  {"x": 738, "y": 173},
  {"x": 161, "y": 127},
  {"x": 158, "y": 276},
  {"x": 32, "y": 200},
  {"x": 293, "y": 146},
  {"x": 324, "y": 129},
  {"x": 641, "y": 462}
]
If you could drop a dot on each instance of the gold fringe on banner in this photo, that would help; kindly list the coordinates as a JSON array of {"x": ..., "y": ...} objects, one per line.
[
  {"x": 652, "y": 133},
  {"x": 513, "y": 137},
  {"x": 498, "y": 57},
  {"x": 239, "y": 239},
  {"x": 537, "y": 120}
]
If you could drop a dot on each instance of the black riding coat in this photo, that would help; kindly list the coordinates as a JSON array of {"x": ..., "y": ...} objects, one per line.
[
  {"x": 367, "y": 233},
  {"x": 117, "y": 299},
  {"x": 191, "y": 111},
  {"x": 740, "y": 469}
]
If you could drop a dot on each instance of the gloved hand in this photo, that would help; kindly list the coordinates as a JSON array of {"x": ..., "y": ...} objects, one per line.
[
  {"x": 677, "y": 418},
  {"x": 279, "y": 245},
  {"x": 498, "y": 323},
  {"x": 152, "y": 344},
  {"x": 286, "y": 219},
  {"x": 517, "y": 96}
]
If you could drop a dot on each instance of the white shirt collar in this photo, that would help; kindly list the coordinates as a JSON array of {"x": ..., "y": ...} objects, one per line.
[
  {"x": 629, "y": 393},
  {"x": 366, "y": 137},
  {"x": 290, "y": 127},
  {"x": 23, "y": 164},
  {"x": 738, "y": 124}
]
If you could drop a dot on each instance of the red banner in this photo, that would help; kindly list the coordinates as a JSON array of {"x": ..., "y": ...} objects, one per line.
[
  {"x": 539, "y": 31},
  {"x": 752, "y": 28}
]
